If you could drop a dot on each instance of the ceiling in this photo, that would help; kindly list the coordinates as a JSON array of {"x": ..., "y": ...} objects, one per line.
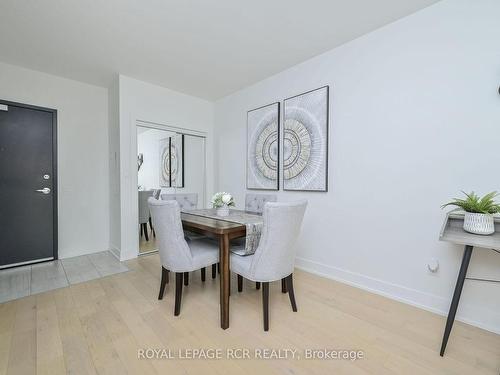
[{"x": 206, "y": 48}]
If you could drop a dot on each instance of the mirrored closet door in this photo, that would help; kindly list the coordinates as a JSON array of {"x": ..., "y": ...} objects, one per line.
[{"x": 171, "y": 165}]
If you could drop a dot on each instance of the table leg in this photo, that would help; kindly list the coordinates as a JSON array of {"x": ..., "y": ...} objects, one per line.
[
  {"x": 456, "y": 296},
  {"x": 224, "y": 280}
]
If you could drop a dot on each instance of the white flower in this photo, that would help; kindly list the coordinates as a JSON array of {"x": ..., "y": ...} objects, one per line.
[{"x": 226, "y": 198}]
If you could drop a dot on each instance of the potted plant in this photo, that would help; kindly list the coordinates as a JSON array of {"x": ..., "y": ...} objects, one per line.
[
  {"x": 478, "y": 212},
  {"x": 222, "y": 201}
]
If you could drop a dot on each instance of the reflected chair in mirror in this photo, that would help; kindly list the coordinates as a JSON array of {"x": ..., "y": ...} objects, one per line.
[
  {"x": 156, "y": 195},
  {"x": 274, "y": 258},
  {"x": 255, "y": 202},
  {"x": 176, "y": 254},
  {"x": 144, "y": 211}
]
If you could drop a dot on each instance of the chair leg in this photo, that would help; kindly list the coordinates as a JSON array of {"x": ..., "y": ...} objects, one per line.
[
  {"x": 164, "y": 281},
  {"x": 257, "y": 285},
  {"x": 178, "y": 293},
  {"x": 218, "y": 267},
  {"x": 152, "y": 228},
  {"x": 145, "y": 225},
  {"x": 186, "y": 278},
  {"x": 265, "y": 305},
  {"x": 140, "y": 225},
  {"x": 283, "y": 285},
  {"x": 214, "y": 270},
  {"x": 291, "y": 294},
  {"x": 240, "y": 283},
  {"x": 203, "y": 274}
]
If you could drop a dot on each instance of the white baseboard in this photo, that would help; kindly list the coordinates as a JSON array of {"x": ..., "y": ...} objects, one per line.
[
  {"x": 417, "y": 298},
  {"x": 72, "y": 254}
]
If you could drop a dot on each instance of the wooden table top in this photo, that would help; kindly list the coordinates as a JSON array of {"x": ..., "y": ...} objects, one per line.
[{"x": 211, "y": 225}]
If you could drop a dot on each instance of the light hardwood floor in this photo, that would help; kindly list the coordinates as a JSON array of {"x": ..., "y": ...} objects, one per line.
[
  {"x": 147, "y": 246},
  {"x": 97, "y": 327}
]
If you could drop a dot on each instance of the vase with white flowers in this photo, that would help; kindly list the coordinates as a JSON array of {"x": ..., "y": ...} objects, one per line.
[{"x": 222, "y": 201}]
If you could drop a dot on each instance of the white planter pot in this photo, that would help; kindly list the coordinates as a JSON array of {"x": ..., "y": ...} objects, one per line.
[
  {"x": 223, "y": 211},
  {"x": 479, "y": 223}
]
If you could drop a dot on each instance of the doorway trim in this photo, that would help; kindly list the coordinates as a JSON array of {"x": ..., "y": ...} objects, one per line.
[
  {"x": 128, "y": 196},
  {"x": 55, "y": 230}
]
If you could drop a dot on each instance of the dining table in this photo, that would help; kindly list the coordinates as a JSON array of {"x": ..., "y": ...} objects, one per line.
[{"x": 224, "y": 229}]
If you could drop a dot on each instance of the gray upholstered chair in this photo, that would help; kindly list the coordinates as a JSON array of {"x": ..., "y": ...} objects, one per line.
[
  {"x": 176, "y": 254},
  {"x": 255, "y": 202},
  {"x": 144, "y": 195},
  {"x": 186, "y": 201},
  {"x": 274, "y": 258}
]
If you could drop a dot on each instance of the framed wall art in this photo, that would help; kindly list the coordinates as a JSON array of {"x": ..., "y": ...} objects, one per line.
[
  {"x": 305, "y": 141},
  {"x": 263, "y": 150},
  {"x": 172, "y": 161}
]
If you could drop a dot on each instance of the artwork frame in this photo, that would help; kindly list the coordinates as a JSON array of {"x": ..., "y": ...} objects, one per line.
[
  {"x": 305, "y": 141},
  {"x": 263, "y": 147},
  {"x": 171, "y": 157}
]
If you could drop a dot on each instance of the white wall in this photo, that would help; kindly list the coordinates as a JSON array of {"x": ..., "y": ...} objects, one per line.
[
  {"x": 82, "y": 127},
  {"x": 146, "y": 102},
  {"x": 415, "y": 116},
  {"x": 114, "y": 167}
]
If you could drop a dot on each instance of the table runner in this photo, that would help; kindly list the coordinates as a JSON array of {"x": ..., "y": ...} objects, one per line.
[{"x": 253, "y": 223}]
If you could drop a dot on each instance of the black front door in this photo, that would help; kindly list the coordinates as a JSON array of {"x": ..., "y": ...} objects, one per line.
[{"x": 28, "y": 184}]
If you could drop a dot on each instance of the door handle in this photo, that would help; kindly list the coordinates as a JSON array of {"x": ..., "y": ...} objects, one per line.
[{"x": 44, "y": 191}]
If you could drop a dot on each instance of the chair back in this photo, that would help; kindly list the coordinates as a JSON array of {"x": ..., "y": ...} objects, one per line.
[
  {"x": 156, "y": 193},
  {"x": 256, "y": 202},
  {"x": 174, "y": 251},
  {"x": 274, "y": 258},
  {"x": 143, "y": 205},
  {"x": 186, "y": 201}
]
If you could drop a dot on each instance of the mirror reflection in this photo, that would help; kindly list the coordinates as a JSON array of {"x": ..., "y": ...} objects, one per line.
[{"x": 170, "y": 164}]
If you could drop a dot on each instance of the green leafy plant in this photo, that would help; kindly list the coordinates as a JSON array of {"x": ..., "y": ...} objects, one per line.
[{"x": 475, "y": 204}]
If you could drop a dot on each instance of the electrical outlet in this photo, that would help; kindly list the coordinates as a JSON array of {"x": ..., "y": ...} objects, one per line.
[{"x": 433, "y": 265}]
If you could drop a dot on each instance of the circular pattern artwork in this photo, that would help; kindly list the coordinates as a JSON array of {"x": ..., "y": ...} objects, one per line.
[
  {"x": 171, "y": 163},
  {"x": 305, "y": 141},
  {"x": 165, "y": 166},
  {"x": 266, "y": 151},
  {"x": 297, "y": 148},
  {"x": 263, "y": 148}
]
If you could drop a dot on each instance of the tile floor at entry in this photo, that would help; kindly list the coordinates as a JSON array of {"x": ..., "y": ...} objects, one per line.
[{"x": 23, "y": 281}]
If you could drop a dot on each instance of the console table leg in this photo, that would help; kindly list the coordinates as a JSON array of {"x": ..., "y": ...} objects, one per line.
[{"x": 456, "y": 296}]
